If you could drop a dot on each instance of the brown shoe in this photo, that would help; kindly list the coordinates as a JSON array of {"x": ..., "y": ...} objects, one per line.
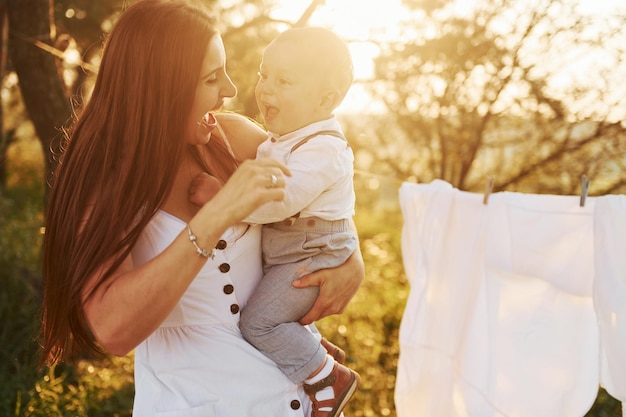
[
  {"x": 335, "y": 351},
  {"x": 343, "y": 381}
]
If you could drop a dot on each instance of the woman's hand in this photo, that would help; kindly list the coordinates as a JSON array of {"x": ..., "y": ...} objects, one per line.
[
  {"x": 253, "y": 184},
  {"x": 337, "y": 287}
]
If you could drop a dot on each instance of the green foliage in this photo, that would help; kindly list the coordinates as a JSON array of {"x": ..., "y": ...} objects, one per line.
[
  {"x": 20, "y": 242},
  {"x": 605, "y": 406},
  {"x": 103, "y": 389},
  {"x": 473, "y": 95},
  {"x": 368, "y": 329},
  {"x": 18, "y": 314}
]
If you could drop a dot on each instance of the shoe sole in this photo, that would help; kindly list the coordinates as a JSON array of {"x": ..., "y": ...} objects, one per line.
[{"x": 356, "y": 381}]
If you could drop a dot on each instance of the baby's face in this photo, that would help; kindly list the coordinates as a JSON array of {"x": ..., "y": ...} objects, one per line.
[{"x": 289, "y": 90}]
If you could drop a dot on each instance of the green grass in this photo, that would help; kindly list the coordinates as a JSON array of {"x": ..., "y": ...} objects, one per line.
[
  {"x": 368, "y": 329},
  {"x": 95, "y": 389},
  {"x": 20, "y": 243}
]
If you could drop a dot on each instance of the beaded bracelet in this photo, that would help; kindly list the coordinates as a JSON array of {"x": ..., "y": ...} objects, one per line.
[{"x": 199, "y": 250}]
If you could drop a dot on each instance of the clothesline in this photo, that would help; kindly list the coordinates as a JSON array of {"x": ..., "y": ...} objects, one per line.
[
  {"x": 389, "y": 178},
  {"x": 584, "y": 184}
]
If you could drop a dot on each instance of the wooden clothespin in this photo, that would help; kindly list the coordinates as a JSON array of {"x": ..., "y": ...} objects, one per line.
[
  {"x": 584, "y": 189},
  {"x": 488, "y": 189}
]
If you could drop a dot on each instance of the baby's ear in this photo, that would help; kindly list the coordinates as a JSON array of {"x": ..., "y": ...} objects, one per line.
[{"x": 330, "y": 99}]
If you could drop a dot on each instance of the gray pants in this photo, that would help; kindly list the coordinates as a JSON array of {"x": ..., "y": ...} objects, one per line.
[{"x": 270, "y": 319}]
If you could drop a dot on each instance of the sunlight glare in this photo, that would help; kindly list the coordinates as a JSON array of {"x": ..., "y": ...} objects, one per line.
[
  {"x": 362, "y": 23},
  {"x": 357, "y": 22},
  {"x": 366, "y": 21}
]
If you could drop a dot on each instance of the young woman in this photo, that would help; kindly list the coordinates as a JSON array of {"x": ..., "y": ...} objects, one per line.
[{"x": 130, "y": 263}]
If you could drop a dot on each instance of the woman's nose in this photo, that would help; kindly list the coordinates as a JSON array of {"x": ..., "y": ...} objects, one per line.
[{"x": 230, "y": 89}]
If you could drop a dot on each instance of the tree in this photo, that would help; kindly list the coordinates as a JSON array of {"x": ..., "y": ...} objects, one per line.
[
  {"x": 41, "y": 87},
  {"x": 80, "y": 26},
  {"x": 485, "y": 93}
]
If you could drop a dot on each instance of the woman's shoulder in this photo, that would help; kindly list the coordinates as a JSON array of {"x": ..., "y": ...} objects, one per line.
[{"x": 243, "y": 133}]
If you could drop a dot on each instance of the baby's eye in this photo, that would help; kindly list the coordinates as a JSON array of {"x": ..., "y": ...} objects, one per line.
[{"x": 284, "y": 81}]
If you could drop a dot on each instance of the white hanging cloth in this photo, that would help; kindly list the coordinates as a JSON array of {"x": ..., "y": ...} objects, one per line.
[
  {"x": 500, "y": 319},
  {"x": 610, "y": 291},
  {"x": 434, "y": 325}
]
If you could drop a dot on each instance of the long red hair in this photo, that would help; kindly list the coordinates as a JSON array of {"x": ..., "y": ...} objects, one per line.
[{"x": 119, "y": 159}]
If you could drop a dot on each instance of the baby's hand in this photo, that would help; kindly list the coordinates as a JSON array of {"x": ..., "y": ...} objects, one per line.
[{"x": 203, "y": 188}]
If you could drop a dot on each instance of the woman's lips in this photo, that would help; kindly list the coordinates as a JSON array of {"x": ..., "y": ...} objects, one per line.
[{"x": 207, "y": 124}]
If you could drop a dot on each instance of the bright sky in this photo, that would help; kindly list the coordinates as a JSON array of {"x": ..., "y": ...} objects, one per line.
[
  {"x": 359, "y": 20},
  {"x": 356, "y": 21}
]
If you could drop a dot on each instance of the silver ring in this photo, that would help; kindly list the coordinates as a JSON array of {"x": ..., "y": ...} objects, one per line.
[{"x": 273, "y": 180}]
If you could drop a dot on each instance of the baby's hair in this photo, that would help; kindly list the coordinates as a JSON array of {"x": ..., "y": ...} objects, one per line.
[{"x": 330, "y": 51}]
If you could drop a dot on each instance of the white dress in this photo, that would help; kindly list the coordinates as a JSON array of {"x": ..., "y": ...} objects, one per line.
[{"x": 197, "y": 364}]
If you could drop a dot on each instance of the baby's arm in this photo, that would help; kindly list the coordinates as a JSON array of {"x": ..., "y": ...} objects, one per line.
[
  {"x": 315, "y": 167},
  {"x": 203, "y": 187}
]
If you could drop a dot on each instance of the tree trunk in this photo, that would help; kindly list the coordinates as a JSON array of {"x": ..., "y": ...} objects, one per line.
[
  {"x": 42, "y": 89},
  {"x": 4, "y": 140}
]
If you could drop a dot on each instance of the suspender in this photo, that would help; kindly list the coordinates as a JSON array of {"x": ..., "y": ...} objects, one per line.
[
  {"x": 321, "y": 132},
  {"x": 290, "y": 221}
]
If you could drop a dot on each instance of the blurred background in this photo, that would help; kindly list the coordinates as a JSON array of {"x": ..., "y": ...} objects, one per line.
[{"x": 527, "y": 93}]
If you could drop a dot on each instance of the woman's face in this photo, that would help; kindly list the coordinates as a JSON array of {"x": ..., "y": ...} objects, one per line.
[{"x": 213, "y": 86}]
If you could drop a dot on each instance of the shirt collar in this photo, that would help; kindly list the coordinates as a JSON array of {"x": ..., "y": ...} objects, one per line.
[{"x": 327, "y": 124}]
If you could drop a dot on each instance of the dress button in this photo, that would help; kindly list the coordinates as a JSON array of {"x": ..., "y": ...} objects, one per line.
[
  {"x": 234, "y": 308},
  {"x": 228, "y": 289},
  {"x": 295, "y": 404},
  {"x": 310, "y": 223},
  {"x": 273, "y": 139},
  {"x": 224, "y": 267},
  {"x": 221, "y": 244}
]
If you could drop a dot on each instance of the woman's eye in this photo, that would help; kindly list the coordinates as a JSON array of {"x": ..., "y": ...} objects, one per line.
[{"x": 211, "y": 80}]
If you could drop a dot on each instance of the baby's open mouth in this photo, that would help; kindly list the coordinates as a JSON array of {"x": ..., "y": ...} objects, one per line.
[{"x": 269, "y": 112}]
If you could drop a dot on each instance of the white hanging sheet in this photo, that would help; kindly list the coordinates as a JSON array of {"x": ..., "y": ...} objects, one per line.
[
  {"x": 610, "y": 291},
  {"x": 500, "y": 319}
]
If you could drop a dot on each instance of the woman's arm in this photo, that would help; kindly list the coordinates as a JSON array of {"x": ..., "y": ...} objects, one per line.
[
  {"x": 337, "y": 287},
  {"x": 244, "y": 135},
  {"x": 131, "y": 305}
]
